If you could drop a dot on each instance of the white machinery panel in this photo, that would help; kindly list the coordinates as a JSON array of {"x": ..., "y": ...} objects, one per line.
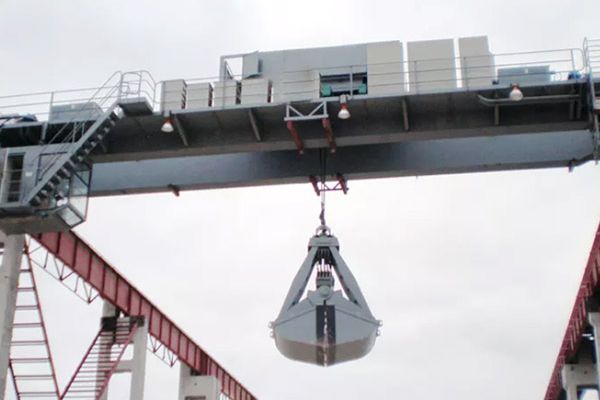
[
  {"x": 172, "y": 96},
  {"x": 199, "y": 95},
  {"x": 299, "y": 85},
  {"x": 476, "y": 62},
  {"x": 385, "y": 68},
  {"x": 255, "y": 91},
  {"x": 226, "y": 93},
  {"x": 431, "y": 65}
]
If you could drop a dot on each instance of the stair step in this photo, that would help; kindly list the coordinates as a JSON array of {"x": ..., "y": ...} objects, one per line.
[
  {"x": 29, "y": 360},
  {"x": 27, "y": 325},
  {"x": 37, "y": 394},
  {"x": 64, "y": 172},
  {"x": 34, "y": 377},
  {"x": 27, "y": 343},
  {"x": 50, "y": 186},
  {"x": 27, "y": 307}
]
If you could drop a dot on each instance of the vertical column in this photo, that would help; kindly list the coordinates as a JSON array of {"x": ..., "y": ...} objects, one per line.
[
  {"x": 138, "y": 363},
  {"x": 576, "y": 377},
  {"x": 594, "y": 320},
  {"x": 197, "y": 386},
  {"x": 9, "y": 279}
]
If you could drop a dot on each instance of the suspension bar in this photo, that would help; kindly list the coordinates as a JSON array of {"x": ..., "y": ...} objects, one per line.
[
  {"x": 114, "y": 288},
  {"x": 578, "y": 320}
]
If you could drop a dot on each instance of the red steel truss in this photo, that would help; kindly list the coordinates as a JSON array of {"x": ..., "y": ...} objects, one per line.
[
  {"x": 96, "y": 272},
  {"x": 578, "y": 319}
]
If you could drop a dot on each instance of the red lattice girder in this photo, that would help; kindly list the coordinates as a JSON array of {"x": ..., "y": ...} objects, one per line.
[{"x": 114, "y": 288}]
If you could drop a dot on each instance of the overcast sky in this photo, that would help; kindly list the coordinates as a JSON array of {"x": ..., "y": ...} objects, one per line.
[{"x": 473, "y": 275}]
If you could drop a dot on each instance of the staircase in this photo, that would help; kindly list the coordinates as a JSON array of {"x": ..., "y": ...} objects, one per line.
[
  {"x": 61, "y": 166},
  {"x": 30, "y": 360},
  {"x": 91, "y": 378}
]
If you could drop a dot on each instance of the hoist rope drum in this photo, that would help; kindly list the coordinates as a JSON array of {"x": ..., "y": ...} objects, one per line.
[{"x": 327, "y": 326}]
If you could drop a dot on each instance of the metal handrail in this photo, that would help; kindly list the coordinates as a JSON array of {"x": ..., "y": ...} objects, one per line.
[
  {"x": 415, "y": 77},
  {"x": 77, "y": 124},
  {"x": 592, "y": 88}
]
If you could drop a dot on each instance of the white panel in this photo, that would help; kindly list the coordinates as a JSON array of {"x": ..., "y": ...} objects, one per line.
[
  {"x": 255, "y": 91},
  {"x": 226, "y": 93},
  {"x": 198, "y": 95},
  {"x": 300, "y": 85},
  {"x": 477, "y": 63},
  {"x": 172, "y": 96},
  {"x": 431, "y": 65},
  {"x": 385, "y": 68},
  {"x": 250, "y": 65}
]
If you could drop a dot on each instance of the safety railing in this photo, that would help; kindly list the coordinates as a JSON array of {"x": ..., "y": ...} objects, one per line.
[
  {"x": 442, "y": 74},
  {"x": 408, "y": 77},
  {"x": 78, "y": 118},
  {"x": 591, "y": 54},
  {"x": 80, "y": 102},
  {"x": 470, "y": 73}
]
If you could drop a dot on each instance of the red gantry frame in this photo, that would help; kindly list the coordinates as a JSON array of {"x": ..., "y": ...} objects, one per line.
[
  {"x": 578, "y": 319},
  {"x": 70, "y": 259},
  {"x": 94, "y": 277}
]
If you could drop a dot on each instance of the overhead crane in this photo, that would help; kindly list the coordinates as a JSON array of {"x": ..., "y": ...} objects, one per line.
[{"x": 322, "y": 115}]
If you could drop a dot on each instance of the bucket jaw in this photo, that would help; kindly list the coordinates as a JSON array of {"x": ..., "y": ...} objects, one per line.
[{"x": 327, "y": 326}]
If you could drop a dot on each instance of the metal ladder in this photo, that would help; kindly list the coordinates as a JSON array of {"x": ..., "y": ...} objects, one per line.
[
  {"x": 62, "y": 165},
  {"x": 73, "y": 143},
  {"x": 91, "y": 377},
  {"x": 30, "y": 360}
]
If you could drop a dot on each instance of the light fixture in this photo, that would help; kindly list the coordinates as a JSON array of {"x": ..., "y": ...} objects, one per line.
[
  {"x": 344, "y": 113},
  {"x": 515, "y": 93},
  {"x": 167, "y": 126}
]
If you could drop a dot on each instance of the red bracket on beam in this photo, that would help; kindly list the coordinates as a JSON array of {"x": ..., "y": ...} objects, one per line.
[
  {"x": 315, "y": 184},
  {"x": 342, "y": 183},
  {"x": 296, "y": 137}
]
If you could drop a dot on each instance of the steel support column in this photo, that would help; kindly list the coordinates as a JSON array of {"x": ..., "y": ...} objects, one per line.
[
  {"x": 594, "y": 320},
  {"x": 577, "y": 377},
  {"x": 9, "y": 279},
  {"x": 197, "y": 386}
]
